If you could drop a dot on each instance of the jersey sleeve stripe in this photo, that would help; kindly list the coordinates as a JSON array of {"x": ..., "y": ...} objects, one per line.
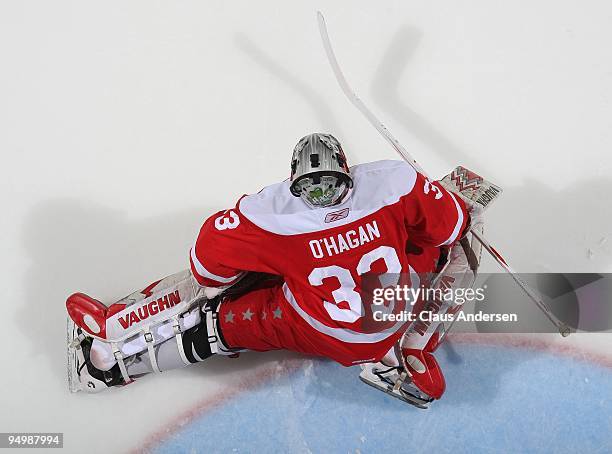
[
  {"x": 451, "y": 239},
  {"x": 204, "y": 273},
  {"x": 208, "y": 283}
]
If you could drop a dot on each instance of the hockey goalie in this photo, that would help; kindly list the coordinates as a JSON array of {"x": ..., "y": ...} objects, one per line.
[{"x": 289, "y": 268}]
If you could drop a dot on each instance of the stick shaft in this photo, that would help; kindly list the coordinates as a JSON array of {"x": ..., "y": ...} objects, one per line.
[
  {"x": 358, "y": 103},
  {"x": 533, "y": 295}
]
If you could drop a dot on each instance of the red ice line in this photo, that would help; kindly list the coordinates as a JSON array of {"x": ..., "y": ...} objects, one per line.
[
  {"x": 514, "y": 340},
  {"x": 209, "y": 403},
  {"x": 288, "y": 366}
]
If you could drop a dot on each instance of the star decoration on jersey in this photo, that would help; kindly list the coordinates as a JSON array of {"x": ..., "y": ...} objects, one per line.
[
  {"x": 277, "y": 312},
  {"x": 247, "y": 314}
]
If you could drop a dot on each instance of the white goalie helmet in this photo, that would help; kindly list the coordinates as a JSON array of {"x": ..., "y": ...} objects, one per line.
[{"x": 319, "y": 172}]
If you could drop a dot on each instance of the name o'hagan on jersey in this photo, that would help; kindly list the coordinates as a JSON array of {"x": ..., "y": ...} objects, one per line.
[{"x": 337, "y": 244}]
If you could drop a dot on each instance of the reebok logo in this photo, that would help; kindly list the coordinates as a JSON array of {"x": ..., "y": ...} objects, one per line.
[{"x": 336, "y": 215}]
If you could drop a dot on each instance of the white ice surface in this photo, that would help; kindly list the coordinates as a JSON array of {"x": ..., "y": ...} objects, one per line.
[{"x": 124, "y": 124}]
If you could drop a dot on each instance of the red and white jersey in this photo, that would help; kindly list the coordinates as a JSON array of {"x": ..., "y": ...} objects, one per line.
[{"x": 323, "y": 253}]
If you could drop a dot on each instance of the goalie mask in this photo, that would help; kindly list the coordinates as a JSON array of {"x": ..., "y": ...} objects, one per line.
[{"x": 319, "y": 172}]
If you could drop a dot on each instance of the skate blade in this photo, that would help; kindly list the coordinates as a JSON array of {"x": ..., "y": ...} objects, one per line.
[
  {"x": 74, "y": 384},
  {"x": 403, "y": 396}
]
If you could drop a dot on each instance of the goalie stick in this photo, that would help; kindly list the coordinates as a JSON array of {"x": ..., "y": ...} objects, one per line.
[{"x": 564, "y": 330}]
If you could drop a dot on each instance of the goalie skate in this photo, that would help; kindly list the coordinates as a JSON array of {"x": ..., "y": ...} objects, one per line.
[
  {"x": 394, "y": 381},
  {"x": 82, "y": 376}
]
